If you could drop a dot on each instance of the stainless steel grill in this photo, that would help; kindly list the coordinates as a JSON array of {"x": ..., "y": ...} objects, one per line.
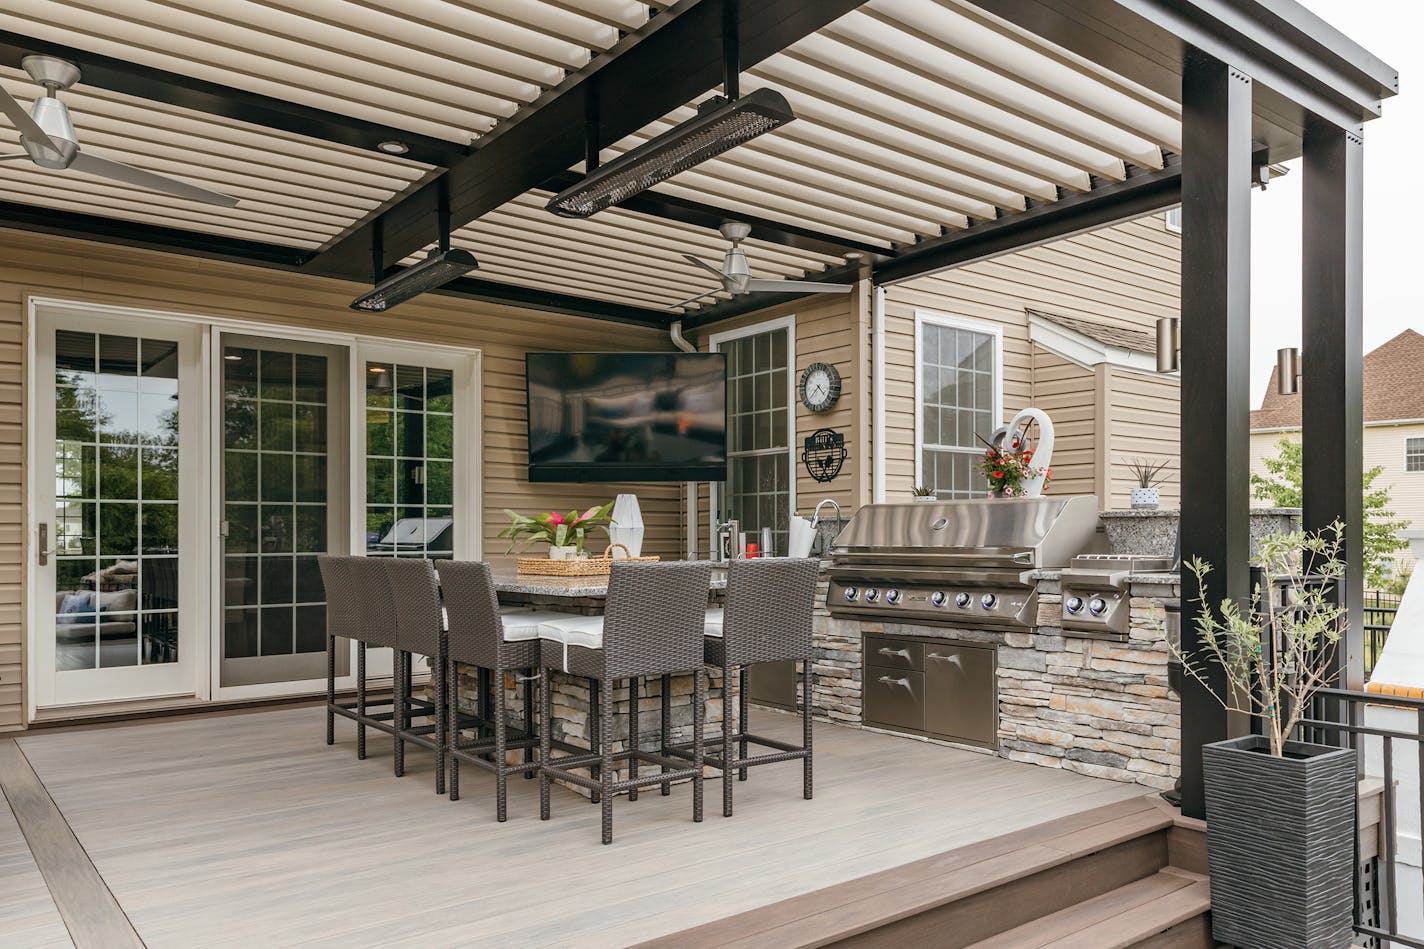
[
  {"x": 1095, "y": 596},
  {"x": 956, "y": 563}
]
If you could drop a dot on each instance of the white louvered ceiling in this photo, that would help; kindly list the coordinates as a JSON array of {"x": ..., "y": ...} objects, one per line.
[{"x": 915, "y": 117}]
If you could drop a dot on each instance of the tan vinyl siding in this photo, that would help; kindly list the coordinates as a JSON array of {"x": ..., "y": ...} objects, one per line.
[
  {"x": 1126, "y": 275},
  {"x": 37, "y": 265},
  {"x": 1144, "y": 423},
  {"x": 1068, "y": 393}
]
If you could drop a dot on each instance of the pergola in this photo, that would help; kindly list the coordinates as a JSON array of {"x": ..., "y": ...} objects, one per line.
[{"x": 930, "y": 133}]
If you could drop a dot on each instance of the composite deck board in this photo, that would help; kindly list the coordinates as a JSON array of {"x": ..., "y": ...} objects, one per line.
[
  {"x": 248, "y": 829},
  {"x": 28, "y": 917}
]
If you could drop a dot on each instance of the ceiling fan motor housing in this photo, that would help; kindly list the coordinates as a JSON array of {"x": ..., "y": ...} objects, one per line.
[{"x": 52, "y": 115}]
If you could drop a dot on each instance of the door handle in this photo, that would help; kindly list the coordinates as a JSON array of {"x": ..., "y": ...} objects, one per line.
[
  {"x": 45, "y": 552},
  {"x": 903, "y": 683},
  {"x": 954, "y": 659},
  {"x": 887, "y": 651}
]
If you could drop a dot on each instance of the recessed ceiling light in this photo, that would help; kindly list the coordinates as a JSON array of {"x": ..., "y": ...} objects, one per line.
[
  {"x": 232, "y": 357},
  {"x": 854, "y": 255},
  {"x": 377, "y": 369},
  {"x": 392, "y": 147}
]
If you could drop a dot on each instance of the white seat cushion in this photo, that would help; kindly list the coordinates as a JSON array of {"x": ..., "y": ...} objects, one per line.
[
  {"x": 712, "y": 625},
  {"x": 586, "y": 631},
  {"x": 522, "y": 624}
]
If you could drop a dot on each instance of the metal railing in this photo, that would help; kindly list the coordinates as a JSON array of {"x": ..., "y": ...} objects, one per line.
[
  {"x": 1387, "y": 733},
  {"x": 1380, "y": 609}
]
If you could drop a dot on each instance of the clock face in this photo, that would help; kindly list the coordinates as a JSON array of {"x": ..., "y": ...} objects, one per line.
[{"x": 820, "y": 387}]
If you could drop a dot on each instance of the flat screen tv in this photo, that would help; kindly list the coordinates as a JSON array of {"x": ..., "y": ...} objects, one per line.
[{"x": 627, "y": 416}]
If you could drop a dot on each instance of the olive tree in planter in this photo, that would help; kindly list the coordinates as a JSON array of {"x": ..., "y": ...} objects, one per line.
[{"x": 1280, "y": 813}]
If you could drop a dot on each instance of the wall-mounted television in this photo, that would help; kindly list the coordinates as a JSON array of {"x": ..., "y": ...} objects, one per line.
[{"x": 627, "y": 416}]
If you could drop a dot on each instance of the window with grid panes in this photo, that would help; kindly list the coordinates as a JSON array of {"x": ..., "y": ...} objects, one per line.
[
  {"x": 758, "y": 488},
  {"x": 1414, "y": 454},
  {"x": 956, "y": 385},
  {"x": 410, "y": 461}
]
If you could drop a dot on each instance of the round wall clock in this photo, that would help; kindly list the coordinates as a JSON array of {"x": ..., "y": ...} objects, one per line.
[{"x": 820, "y": 387}]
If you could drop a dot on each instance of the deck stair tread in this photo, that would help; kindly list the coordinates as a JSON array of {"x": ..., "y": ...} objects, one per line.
[
  {"x": 863, "y": 904},
  {"x": 1117, "y": 919}
]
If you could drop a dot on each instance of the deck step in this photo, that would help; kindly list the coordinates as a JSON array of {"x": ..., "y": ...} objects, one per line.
[{"x": 1131, "y": 915}]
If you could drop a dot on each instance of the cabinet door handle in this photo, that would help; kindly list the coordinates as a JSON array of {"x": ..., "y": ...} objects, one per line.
[
  {"x": 903, "y": 683},
  {"x": 954, "y": 659},
  {"x": 887, "y": 651}
]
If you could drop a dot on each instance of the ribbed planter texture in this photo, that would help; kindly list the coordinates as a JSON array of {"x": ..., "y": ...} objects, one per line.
[{"x": 1279, "y": 843}]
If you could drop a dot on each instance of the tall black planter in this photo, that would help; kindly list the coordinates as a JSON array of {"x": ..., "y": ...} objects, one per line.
[{"x": 1279, "y": 836}]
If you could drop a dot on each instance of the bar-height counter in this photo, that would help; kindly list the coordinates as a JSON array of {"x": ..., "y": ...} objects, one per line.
[{"x": 571, "y": 698}]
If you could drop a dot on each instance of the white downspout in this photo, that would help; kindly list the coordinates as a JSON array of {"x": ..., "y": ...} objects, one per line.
[
  {"x": 877, "y": 395},
  {"x": 678, "y": 340}
]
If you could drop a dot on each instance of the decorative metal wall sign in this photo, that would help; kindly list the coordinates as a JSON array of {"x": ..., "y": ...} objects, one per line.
[{"x": 824, "y": 454}]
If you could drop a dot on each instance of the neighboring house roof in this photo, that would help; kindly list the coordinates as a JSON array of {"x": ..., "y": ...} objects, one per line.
[
  {"x": 1394, "y": 387},
  {"x": 1118, "y": 337}
]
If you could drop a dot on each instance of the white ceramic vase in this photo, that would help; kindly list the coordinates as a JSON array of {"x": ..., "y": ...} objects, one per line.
[
  {"x": 563, "y": 553},
  {"x": 1145, "y": 499},
  {"x": 626, "y": 524},
  {"x": 1042, "y": 453}
]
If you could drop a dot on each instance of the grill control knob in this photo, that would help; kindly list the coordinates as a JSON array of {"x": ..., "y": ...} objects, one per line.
[
  {"x": 988, "y": 600},
  {"x": 1074, "y": 604},
  {"x": 1097, "y": 606},
  {"x": 892, "y": 596},
  {"x": 962, "y": 600},
  {"x": 937, "y": 598},
  {"x": 871, "y": 594},
  {"x": 851, "y": 593}
]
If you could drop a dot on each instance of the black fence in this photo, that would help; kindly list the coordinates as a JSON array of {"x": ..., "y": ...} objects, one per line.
[{"x": 1380, "y": 609}]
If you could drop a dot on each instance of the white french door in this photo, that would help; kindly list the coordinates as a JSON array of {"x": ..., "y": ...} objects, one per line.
[{"x": 118, "y": 550}]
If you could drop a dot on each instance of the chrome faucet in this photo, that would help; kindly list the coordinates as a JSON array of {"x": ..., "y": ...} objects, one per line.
[{"x": 816, "y": 515}]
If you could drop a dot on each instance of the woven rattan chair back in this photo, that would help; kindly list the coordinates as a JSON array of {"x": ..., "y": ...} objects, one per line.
[
  {"x": 769, "y": 607},
  {"x": 375, "y": 607},
  {"x": 655, "y": 617},
  {"x": 340, "y": 594},
  {"x": 417, "y": 604},
  {"x": 472, "y": 612}
]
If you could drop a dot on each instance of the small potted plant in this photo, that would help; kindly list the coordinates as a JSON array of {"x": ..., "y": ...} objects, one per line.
[
  {"x": 1280, "y": 813},
  {"x": 1148, "y": 475},
  {"x": 922, "y": 492},
  {"x": 564, "y": 533},
  {"x": 1007, "y": 470}
]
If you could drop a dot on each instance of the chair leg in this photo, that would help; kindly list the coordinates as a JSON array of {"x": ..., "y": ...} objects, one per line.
[
  {"x": 545, "y": 730},
  {"x": 742, "y": 719},
  {"x": 482, "y": 707},
  {"x": 806, "y": 724},
  {"x": 605, "y": 748},
  {"x": 401, "y": 711},
  {"x": 361, "y": 701},
  {"x": 699, "y": 719},
  {"x": 529, "y": 724},
  {"x": 452, "y": 719},
  {"x": 501, "y": 739},
  {"x": 442, "y": 707},
  {"x": 727, "y": 732},
  {"x": 595, "y": 728},
  {"x": 330, "y": 689},
  {"x": 666, "y": 738},
  {"x": 633, "y": 733}
]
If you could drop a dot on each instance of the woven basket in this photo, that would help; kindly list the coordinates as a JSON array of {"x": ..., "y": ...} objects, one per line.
[{"x": 586, "y": 567}]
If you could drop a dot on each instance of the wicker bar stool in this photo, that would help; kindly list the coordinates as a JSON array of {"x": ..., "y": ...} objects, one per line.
[
  {"x": 498, "y": 642},
  {"x": 351, "y": 612},
  {"x": 766, "y": 618},
  {"x": 420, "y": 630},
  {"x": 653, "y": 626}
]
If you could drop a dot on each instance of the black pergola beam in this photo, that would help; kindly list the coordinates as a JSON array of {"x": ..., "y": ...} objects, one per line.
[
  {"x": 1142, "y": 192},
  {"x": 548, "y": 301},
  {"x": 673, "y": 59},
  {"x": 698, "y": 214},
  {"x": 1215, "y": 382},
  {"x": 1332, "y": 385},
  {"x": 159, "y": 85}
]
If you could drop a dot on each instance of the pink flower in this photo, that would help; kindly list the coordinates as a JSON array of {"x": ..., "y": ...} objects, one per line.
[{"x": 555, "y": 518}]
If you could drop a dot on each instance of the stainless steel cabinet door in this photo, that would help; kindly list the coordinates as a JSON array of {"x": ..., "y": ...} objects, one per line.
[{"x": 961, "y": 694}]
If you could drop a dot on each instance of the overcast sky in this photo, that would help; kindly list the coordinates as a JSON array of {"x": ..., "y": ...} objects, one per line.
[{"x": 1394, "y": 206}]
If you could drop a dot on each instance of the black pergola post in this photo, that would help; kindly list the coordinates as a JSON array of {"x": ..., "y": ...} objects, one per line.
[
  {"x": 1216, "y": 372},
  {"x": 1332, "y": 384}
]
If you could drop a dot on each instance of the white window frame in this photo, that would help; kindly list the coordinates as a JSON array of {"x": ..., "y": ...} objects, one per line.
[
  {"x": 1172, "y": 220},
  {"x": 925, "y": 318},
  {"x": 1420, "y": 451},
  {"x": 714, "y": 343}
]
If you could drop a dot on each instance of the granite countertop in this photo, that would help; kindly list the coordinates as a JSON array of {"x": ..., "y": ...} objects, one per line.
[
  {"x": 1174, "y": 512},
  {"x": 571, "y": 587},
  {"x": 1171, "y": 577}
]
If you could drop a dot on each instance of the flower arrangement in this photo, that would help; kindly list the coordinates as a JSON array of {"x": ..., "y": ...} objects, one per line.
[
  {"x": 555, "y": 529},
  {"x": 1006, "y": 469}
]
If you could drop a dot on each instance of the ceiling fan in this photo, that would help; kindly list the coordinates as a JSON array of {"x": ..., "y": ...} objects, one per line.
[
  {"x": 47, "y": 135},
  {"x": 736, "y": 276}
]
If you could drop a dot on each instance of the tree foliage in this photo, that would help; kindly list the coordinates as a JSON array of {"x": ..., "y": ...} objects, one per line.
[{"x": 1282, "y": 487}]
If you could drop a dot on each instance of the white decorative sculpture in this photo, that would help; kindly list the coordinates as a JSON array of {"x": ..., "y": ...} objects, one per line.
[
  {"x": 626, "y": 525},
  {"x": 1042, "y": 454}
]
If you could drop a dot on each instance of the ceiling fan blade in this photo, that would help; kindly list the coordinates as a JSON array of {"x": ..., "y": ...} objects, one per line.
[
  {"x": 129, "y": 175},
  {"x": 704, "y": 265},
  {"x": 17, "y": 114},
  {"x": 796, "y": 286},
  {"x": 684, "y": 303}
]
